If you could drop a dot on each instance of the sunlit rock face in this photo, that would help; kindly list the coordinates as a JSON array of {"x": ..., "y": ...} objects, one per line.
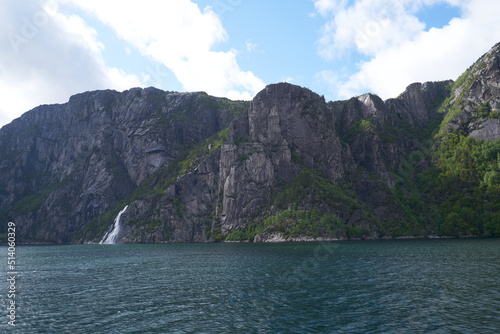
[{"x": 192, "y": 168}]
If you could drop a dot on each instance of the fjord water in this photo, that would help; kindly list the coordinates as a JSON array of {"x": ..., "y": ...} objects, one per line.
[{"x": 405, "y": 286}]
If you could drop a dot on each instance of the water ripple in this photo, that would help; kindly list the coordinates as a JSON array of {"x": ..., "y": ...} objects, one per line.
[{"x": 413, "y": 286}]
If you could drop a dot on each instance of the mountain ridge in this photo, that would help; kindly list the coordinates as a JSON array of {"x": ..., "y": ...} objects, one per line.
[{"x": 285, "y": 166}]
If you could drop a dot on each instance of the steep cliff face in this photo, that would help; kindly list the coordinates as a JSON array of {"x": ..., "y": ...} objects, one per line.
[
  {"x": 286, "y": 129},
  {"x": 380, "y": 133},
  {"x": 473, "y": 107},
  {"x": 287, "y": 135},
  {"x": 287, "y": 165},
  {"x": 67, "y": 164}
]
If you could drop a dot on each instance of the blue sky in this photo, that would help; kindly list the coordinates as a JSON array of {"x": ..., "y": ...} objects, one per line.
[{"x": 52, "y": 49}]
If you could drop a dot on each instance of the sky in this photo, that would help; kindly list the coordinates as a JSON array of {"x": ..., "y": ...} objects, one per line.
[{"x": 52, "y": 49}]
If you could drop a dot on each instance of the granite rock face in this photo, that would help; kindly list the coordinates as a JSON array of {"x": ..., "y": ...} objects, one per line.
[
  {"x": 488, "y": 130},
  {"x": 474, "y": 106},
  {"x": 70, "y": 164},
  {"x": 287, "y": 128},
  {"x": 192, "y": 167},
  {"x": 64, "y": 165}
]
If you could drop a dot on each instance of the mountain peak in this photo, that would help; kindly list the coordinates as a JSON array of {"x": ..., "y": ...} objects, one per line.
[
  {"x": 194, "y": 168},
  {"x": 475, "y": 99}
]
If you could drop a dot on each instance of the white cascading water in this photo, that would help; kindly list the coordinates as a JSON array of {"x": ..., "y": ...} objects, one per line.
[{"x": 110, "y": 236}]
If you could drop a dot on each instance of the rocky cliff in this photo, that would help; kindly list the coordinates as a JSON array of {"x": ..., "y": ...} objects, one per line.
[
  {"x": 286, "y": 166},
  {"x": 64, "y": 165},
  {"x": 473, "y": 106}
]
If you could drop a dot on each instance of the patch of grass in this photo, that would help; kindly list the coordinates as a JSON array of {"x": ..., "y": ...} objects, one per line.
[
  {"x": 32, "y": 202},
  {"x": 239, "y": 139},
  {"x": 242, "y": 158},
  {"x": 360, "y": 127}
]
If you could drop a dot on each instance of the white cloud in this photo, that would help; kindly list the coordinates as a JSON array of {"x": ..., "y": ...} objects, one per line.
[
  {"x": 46, "y": 57},
  {"x": 368, "y": 25},
  {"x": 177, "y": 34},
  {"x": 250, "y": 46},
  {"x": 326, "y": 7},
  {"x": 403, "y": 53}
]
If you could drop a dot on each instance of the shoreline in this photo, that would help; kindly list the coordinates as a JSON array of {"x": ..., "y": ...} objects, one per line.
[{"x": 273, "y": 238}]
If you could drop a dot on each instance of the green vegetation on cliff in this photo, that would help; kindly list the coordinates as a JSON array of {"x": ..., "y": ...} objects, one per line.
[
  {"x": 464, "y": 185},
  {"x": 311, "y": 206},
  {"x": 295, "y": 167},
  {"x": 455, "y": 191}
]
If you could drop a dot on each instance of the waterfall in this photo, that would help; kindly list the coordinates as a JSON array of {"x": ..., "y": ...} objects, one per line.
[{"x": 110, "y": 236}]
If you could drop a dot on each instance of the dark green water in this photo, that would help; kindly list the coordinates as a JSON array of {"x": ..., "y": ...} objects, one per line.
[{"x": 412, "y": 286}]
